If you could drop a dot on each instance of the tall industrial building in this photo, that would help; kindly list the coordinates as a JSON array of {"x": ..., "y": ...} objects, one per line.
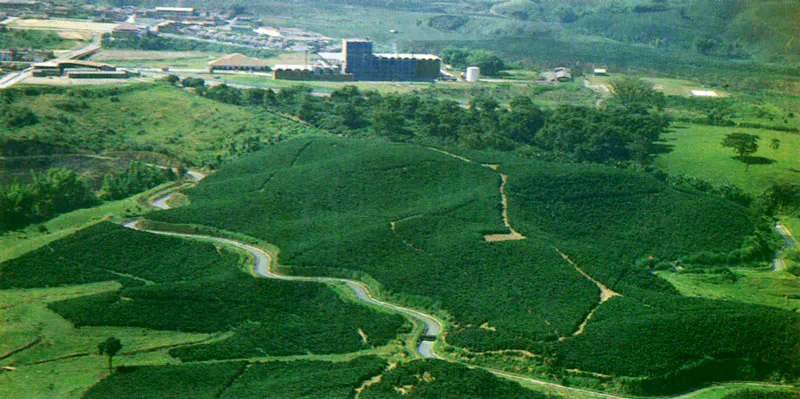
[{"x": 358, "y": 61}]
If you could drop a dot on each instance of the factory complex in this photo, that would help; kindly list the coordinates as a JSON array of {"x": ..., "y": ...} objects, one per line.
[{"x": 357, "y": 62}]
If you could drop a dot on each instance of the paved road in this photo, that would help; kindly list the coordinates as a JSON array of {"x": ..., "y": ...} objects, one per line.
[
  {"x": 433, "y": 327},
  {"x": 16, "y": 77}
]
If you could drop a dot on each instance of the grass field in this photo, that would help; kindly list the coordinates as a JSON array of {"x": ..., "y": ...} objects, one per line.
[
  {"x": 777, "y": 289},
  {"x": 146, "y": 117},
  {"x": 156, "y": 59},
  {"x": 25, "y": 316},
  {"x": 696, "y": 151},
  {"x": 670, "y": 87},
  {"x": 35, "y": 40}
]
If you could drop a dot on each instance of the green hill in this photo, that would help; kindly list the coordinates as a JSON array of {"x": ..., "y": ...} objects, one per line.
[
  {"x": 135, "y": 118},
  {"x": 413, "y": 219}
]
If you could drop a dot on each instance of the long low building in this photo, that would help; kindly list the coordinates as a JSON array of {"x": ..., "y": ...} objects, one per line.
[
  {"x": 58, "y": 68},
  {"x": 238, "y": 62}
]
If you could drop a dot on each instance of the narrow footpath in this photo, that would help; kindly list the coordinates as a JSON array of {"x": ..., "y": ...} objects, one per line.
[{"x": 605, "y": 294}]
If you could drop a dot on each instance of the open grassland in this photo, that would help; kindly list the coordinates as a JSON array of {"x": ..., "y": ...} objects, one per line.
[
  {"x": 668, "y": 86},
  {"x": 142, "y": 117},
  {"x": 744, "y": 392},
  {"x": 778, "y": 289},
  {"x": 40, "y": 371},
  {"x": 696, "y": 151},
  {"x": 33, "y": 39},
  {"x": 156, "y": 59},
  {"x": 413, "y": 219}
]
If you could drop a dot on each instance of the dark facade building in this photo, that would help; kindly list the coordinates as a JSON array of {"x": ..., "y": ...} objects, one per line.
[{"x": 359, "y": 60}]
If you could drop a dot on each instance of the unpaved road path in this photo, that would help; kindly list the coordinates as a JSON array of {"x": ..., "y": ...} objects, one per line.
[{"x": 778, "y": 263}]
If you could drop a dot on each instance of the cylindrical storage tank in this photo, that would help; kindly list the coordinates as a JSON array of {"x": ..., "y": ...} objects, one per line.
[{"x": 473, "y": 74}]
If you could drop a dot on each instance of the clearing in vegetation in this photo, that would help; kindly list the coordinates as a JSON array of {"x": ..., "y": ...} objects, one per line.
[{"x": 696, "y": 151}]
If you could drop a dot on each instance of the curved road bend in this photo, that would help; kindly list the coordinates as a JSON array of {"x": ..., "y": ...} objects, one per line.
[{"x": 433, "y": 327}]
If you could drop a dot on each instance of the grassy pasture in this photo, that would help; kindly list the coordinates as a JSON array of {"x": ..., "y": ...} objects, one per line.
[
  {"x": 777, "y": 289},
  {"x": 143, "y": 117},
  {"x": 34, "y": 39},
  {"x": 696, "y": 151}
]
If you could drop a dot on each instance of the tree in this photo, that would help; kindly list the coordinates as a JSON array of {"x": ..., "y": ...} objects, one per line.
[
  {"x": 488, "y": 61},
  {"x": 775, "y": 144},
  {"x": 629, "y": 91},
  {"x": 744, "y": 144},
  {"x": 110, "y": 347},
  {"x": 171, "y": 79}
]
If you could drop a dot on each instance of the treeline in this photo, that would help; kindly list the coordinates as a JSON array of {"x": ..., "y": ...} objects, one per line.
[
  {"x": 461, "y": 57},
  {"x": 60, "y": 190},
  {"x": 620, "y": 132}
]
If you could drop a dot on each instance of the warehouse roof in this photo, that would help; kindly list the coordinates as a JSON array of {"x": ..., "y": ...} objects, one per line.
[{"x": 238, "y": 60}]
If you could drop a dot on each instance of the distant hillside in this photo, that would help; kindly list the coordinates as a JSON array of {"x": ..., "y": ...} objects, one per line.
[{"x": 139, "y": 117}]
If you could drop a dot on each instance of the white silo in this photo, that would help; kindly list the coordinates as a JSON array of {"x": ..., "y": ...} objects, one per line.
[{"x": 473, "y": 74}]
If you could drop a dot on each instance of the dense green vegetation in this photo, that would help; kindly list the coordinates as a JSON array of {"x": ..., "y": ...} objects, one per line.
[
  {"x": 57, "y": 191},
  {"x": 685, "y": 342},
  {"x": 623, "y": 132},
  {"x": 297, "y": 380},
  {"x": 267, "y": 317},
  {"x": 413, "y": 220},
  {"x": 191, "y": 380},
  {"x": 150, "y": 118},
  {"x": 39, "y": 40},
  {"x": 423, "y": 379},
  {"x": 109, "y": 252},
  {"x": 305, "y": 379},
  {"x": 345, "y": 218},
  {"x": 51, "y": 193},
  {"x": 169, "y": 282}
]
